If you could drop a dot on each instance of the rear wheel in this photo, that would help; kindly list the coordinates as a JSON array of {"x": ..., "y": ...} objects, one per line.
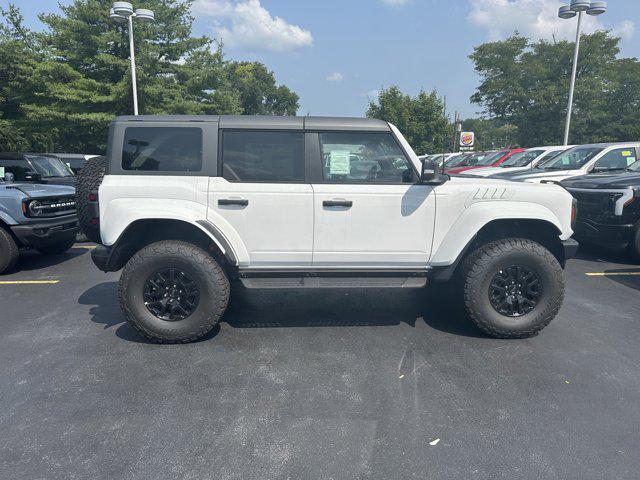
[
  {"x": 88, "y": 182},
  {"x": 513, "y": 288},
  {"x": 173, "y": 292},
  {"x": 9, "y": 253}
]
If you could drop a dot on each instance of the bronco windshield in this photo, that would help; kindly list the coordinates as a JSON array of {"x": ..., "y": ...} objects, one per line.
[
  {"x": 50, "y": 166},
  {"x": 573, "y": 159}
]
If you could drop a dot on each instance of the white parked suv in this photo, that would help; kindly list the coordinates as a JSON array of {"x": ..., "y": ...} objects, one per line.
[
  {"x": 192, "y": 205},
  {"x": 578, "y": 161}
]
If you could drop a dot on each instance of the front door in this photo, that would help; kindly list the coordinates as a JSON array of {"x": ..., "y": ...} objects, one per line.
[
  {"x": 262, "y": 194},
  {"x": 370, "y": 212}
]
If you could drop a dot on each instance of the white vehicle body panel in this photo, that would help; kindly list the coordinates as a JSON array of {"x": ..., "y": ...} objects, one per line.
[
  {"x": 465, "y": 205},
  {"x": 275, "y": 228},
  {"x": 388, "y": 226}
]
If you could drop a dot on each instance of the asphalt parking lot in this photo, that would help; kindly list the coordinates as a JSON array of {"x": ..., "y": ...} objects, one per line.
[{"x": 317, "y": 385}]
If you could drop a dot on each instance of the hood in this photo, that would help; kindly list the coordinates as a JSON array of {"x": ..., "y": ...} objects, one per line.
[
  {"x": 36, "y": 190},
  {"x": 453, "y": 171},
  {"x": 534, "y": 175},
  {"x": 486, "y": 171},
  {"x": 600, "y": 180},
  {"x": 60, "y": 180}
]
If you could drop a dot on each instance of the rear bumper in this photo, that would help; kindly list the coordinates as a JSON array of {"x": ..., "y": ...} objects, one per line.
[
  {"x": 615, "y": 237},
  {"x": 46, "y": 231}
]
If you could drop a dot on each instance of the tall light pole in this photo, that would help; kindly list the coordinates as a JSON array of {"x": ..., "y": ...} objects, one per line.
[
  {"x": 577, "y": 7},
  {"x": 123, "y": 12}
]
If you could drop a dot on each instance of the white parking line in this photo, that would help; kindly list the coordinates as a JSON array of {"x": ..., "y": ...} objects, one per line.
[{"x": 30, "y": 282}]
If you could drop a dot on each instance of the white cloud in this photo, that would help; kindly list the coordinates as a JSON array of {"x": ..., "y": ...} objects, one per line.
[
  {"x": 247, "y": 25},
  {"x": 395, "y": 3},
  {"x": 533, "y": 18},
  {"x": 335, "y": 77}
]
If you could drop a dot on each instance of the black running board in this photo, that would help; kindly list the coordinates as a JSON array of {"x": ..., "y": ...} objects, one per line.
[{"x": 279, "y": 279}]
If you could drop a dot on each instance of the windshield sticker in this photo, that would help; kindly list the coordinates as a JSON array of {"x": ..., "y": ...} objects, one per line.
[
  {"x": 340, "y": 162},
  {"x": 1, "y": 172},
  {"x": 627, "y": 153}
]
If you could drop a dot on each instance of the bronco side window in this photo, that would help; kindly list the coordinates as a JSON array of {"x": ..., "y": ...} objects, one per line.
[
  {"x": 254, "y": 156},
  {"x": 162, "y": 149},
  {"x": 364, "y": 158}
]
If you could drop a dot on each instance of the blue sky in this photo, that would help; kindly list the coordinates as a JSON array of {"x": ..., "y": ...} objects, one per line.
[{"x": 337, "y": 54}]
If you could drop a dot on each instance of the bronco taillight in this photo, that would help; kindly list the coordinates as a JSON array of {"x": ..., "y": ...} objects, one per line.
[{"x": 574, "y": 212}]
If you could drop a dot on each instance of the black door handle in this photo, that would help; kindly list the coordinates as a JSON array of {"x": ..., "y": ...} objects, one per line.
[
  {"x": 233, "y": 201},
  {"x": 337, "y": 203}
]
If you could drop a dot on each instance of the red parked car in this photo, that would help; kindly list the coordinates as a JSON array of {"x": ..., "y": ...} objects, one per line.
[{"x": 485, "y": 160}]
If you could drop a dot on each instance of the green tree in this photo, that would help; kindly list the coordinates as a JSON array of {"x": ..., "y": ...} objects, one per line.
[
  {"x": 526, "y": 84},
  {"x": 65, "y": 84},
  {"x": 421, "y": 118}
]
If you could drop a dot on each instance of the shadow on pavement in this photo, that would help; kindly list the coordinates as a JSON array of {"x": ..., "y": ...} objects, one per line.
[
  {"x": 631, "y": 281},
  {"x": 33, "y": 260},
  {"x": 309, "y": 308},
  {"x": 594, "y": 253}
]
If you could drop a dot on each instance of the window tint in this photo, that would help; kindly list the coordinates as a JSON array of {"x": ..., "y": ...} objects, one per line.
[
  {"x": 263, "y": 156},
  {"x": 162, "y": 149},
  {"x": 20, "y": 169},
  {"x": 572, "y": 159},
  {"x": 364, "y": 158},
  {"x": 617, "y": 159}
]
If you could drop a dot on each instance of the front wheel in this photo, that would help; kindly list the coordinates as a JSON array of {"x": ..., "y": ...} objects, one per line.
[
  {"x": 173, "y": 292},
  {"x": 513, "y": 288}
]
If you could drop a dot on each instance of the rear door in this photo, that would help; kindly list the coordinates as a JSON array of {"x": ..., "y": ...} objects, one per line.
[
  {"x": 370, "y": 212},
  {"x": 262, "y": 193}
]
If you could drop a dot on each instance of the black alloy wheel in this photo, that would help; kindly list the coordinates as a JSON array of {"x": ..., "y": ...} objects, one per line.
[
  {"x": 171, "y": 295},
  {"x": 515, "y": 291}
]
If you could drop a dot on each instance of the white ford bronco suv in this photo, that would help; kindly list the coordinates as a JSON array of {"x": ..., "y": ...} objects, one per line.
[{"x": 186, "y": 205}]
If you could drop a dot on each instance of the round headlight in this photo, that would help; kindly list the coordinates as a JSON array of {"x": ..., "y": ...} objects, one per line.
[{"x": 35, "y": 208}]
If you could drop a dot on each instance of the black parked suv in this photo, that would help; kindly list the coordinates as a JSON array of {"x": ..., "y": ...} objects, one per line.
[
  {"x": 37, "y": 168},
  {"x": 608, "y": 208}
]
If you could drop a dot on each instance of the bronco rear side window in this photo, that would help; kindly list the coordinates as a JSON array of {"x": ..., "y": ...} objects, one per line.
[{"x": 162, "y": 149}]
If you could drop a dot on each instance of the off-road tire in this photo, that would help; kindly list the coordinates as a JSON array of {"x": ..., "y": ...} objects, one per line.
[
  {"x": 481, "y": 266},
  {"x": 211, "y": 280},
  {"x": 57, "y": 248},
  {"x": 9, "y": 252},
  {"x": 89, "y": 180}
]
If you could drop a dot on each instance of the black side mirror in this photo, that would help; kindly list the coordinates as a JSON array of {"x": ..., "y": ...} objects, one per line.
[{"x": 431, "y": 173}]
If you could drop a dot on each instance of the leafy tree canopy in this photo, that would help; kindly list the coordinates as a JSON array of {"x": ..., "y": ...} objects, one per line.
[
  {"x": 60, "y": 88},
  {"x": 526, "y": 84},
  {"x": 421, "y": 118}
]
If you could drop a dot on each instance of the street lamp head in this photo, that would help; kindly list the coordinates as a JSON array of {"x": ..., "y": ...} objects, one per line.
[
  {"x": 118, "y": 18},
  {"x": 597, "y": 8},
  {"x": 565, "y": 12},
  {"x": 580, "y": 5},
  {"x": 145, "y": 15},
  {"x": 124, "y": 9}
]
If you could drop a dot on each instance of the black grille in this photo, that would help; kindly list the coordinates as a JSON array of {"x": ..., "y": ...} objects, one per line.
[
  {"x": 50, "y": 207},
  {"x": 594, "y": 205}
]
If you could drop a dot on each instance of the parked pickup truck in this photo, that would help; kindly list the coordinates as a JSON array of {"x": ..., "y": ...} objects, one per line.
[
  {"x": 42, "y": 217},
  {"x": 608, "y": 209},
  {"x": 189, "y": 204}
]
